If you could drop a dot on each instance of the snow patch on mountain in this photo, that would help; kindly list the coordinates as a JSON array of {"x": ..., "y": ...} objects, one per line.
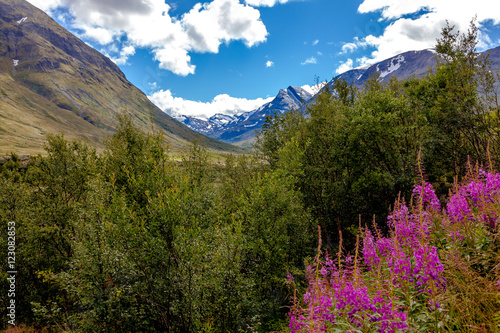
[
  {"x": 22, "y": 20},
  {"x": 221, "y": 119},
  {"x": 393, "y": 66}
]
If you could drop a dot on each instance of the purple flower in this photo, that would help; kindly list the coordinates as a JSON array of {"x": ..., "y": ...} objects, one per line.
[
  {"x": 427, "y": 267},
  {"x": 427, "y": 196},
  {"x": 458, "y": 208},
  {"x": 384, "y": 246},
  {"x": 369, "y": 251}
]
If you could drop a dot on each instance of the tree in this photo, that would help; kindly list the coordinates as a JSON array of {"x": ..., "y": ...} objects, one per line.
[
  {"x": 359, "y": 154},
  {"x": 277, "y": 130},
  {"x": 457, "y": 99}
]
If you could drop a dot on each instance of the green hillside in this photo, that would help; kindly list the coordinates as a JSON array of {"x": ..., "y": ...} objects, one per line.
[{"x": 52, "y": 82}]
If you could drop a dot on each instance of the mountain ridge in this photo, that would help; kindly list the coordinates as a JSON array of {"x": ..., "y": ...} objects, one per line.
[
  {"x": 242, "y": 128},
  {"x": 51, "y": 81},
  {"x": 402, "y": 66}
]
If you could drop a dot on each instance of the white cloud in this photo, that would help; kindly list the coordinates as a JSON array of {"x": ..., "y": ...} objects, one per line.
[
  {"x": 121, "y": 56},
  {"x": 210, "y": 24},
  {"x": 100, "y": 35},
  {"x": 125, "y": 53},
  {"x": 391, "y": 9},
  {"x": 345, "y": 66},
  {"x": 404, "y": 34},
  {"x": 225, "y": 104},
  {"x": 310, "y": 60},
  {"x": 264, "y": 3},
  {"x": 147, "y": 24},
  {"x": 363, "y": 62},
  {"x": 349, "y": 48},
  {"x": 153, "y": 85},
  {"x": 315, "y": 42},
  {"x": 269, "y": 63},
  {"x": 46, "y": 5}
]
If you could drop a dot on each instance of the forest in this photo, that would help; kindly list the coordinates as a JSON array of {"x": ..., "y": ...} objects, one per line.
[{"x": 375, "y": 210}]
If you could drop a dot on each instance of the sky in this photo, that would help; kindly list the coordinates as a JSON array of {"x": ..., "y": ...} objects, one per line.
[{"x": 230, "y": 56}]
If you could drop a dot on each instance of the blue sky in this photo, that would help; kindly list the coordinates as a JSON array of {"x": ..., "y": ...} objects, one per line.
[{"x": 230, "y": 56}]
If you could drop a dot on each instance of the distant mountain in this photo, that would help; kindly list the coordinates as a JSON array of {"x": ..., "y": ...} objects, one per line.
[
  {"x": 242, "y": 128},
  {"x": 401, "y": 66},
  {"x": 51, "y": 81},
  {"x": 234, "y": 129},
  {"x": 404, "y": 65},
  {"x": 237, "y": 129}
]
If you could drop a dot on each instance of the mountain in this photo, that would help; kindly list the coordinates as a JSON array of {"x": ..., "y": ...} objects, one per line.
[
  {"x": 237, "y": 129},
  {"x": 241, "y": 129},
  {"x": 405, "y": 65},
  {"x": 401, "y": 66},
  {"x": 52, "y": 82}
]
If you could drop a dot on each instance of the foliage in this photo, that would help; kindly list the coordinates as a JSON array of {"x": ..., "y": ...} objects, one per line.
[
  {"x": 437, "y": 271},
  {"x": 276, "y": 131},
  {"x": 132, "y": 240},
  {"x": 357, "y": 148},
  {"x": 458, "y": 100}
]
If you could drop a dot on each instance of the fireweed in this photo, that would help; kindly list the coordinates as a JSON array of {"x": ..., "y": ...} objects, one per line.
[{"x": 397, "y": 283}]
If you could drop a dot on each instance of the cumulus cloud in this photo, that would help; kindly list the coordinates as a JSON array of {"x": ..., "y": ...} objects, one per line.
[
  {"x": 353, "y": 46},
  {"x": 345, "y": 66},
  {"x": 210, "y": 24},
  {"x": 100, "y": 35},
  {"x": 315, "y": 42},
  {"x": 414, "y": 25},
  {"x": 223, "y": 103},
  {"x": 124, "y": 54},
  {"x": 46, "y": 5},
  {"x": 269, "y": 63},
  {"x": 310, "y": 60},
  {"x": 147, "y": 24},
  {"x": 391, "y": 9}
]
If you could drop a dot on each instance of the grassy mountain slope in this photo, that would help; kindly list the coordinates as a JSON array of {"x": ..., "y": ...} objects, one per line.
[{"x": 51, "y": 81}]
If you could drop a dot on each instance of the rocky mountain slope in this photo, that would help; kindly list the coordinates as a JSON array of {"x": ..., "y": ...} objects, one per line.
[
  {"x": 401, "y": 66},
  {"x": 51, "y": 81},
  {"x": 235, "y": 129},
  {"x": 404, "y": 65}
]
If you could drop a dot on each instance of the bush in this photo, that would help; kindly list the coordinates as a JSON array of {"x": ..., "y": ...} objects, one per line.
[{"x": 436, "y": 271}]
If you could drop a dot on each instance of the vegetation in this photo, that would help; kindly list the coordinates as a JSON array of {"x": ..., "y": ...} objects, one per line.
[
  {"x": 358, "y": 148},
  {"x": 436, "y": 271},
  {"x": 133, "y": 240}
]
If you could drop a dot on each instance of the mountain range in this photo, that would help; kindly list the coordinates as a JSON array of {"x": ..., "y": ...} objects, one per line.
[
  {"x": 52, "y": 82},
  {"x": 241, "y": 129}
]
